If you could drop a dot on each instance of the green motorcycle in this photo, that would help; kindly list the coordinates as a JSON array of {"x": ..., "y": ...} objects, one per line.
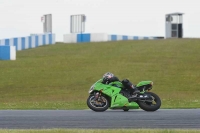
[{"x": 115, "y": 96}]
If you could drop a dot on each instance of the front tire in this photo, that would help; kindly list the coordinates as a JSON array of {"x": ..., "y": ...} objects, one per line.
[
  {"x": 95, "y": 106},
  {"x": 148, "y": 106}
]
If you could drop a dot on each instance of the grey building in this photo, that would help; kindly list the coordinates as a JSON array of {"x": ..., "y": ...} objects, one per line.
[{"x": 174, "y": 25}]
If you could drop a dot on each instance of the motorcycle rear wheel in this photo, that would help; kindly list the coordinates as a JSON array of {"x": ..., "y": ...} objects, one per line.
[
  {"x": 148, "y": 106},
  {"x": 96, "y": 108}
]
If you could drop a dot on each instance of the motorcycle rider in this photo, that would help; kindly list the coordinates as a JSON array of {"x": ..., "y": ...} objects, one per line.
[{"x": 109, "y": 77}]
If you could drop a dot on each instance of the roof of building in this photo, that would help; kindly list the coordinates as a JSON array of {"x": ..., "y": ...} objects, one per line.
[{"x": 176, "y": 13}]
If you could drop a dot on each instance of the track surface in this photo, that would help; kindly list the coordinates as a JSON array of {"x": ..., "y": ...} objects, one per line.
[{"x": 40, "y": 119}]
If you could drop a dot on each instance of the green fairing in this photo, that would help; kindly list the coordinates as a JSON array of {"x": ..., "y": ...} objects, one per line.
[
  {"x": 142, "y": 83},
  {"x": 117, "y": 100},
  {"x": 117, "y": 84}
]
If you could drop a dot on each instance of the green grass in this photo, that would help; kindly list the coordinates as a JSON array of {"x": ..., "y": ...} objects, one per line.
[
  {"x": 59, "y": 76},
  {"x": 101, "y": 131}
]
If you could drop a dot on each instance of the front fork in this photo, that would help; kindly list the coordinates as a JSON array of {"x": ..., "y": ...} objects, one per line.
[{"x": 97, "y": 97}]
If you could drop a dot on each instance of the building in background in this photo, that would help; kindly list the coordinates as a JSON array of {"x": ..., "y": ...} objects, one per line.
[
  {"x": 174, "y": 25},
  {"x": 47, "y": 23}
]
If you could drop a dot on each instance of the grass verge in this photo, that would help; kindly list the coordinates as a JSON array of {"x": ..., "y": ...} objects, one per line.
[{"x": 59, "y": 76}]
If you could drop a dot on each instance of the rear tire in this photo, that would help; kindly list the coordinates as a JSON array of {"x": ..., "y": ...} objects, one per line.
[
  {"x": 148, "y": 106},
  {"x": 126, "y": 110},
  {"x": 96, "y": 108}
]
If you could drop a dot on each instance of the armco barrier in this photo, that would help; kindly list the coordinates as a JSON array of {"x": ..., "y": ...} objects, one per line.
[
  {"x": 100, "y": 37},
  {"x": 8, "y": 47},
  {"x": 7, "y": 52},
  {"x": 86, "y": 37},
  {"x": 125, "y": 37},
  {"x": 28, "y": 42}
]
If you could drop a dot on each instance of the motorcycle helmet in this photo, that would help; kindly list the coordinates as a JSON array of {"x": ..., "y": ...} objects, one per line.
[{"x": 108, "y": 75}]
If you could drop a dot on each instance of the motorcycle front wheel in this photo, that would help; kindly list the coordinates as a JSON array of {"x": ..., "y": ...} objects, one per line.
[{"x": 99, "y": 105}]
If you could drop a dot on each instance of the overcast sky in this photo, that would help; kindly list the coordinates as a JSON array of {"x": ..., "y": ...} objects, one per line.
[{"x": 126, "y": 17}]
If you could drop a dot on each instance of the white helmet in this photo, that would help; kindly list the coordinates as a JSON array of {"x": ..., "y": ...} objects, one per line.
[{"x": 108, "y": 75}]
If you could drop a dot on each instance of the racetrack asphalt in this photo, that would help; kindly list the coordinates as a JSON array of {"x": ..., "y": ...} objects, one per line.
[{"x": 87, "y": 119}]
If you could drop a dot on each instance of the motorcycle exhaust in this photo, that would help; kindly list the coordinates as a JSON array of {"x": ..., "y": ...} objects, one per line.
[{"x": 134, "y": 99}]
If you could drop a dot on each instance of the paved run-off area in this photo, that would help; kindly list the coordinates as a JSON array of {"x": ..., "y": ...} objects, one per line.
[{"x": 46, "y": 119}]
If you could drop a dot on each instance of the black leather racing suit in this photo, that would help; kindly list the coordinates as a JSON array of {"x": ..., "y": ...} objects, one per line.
[{"x": 127, "y": 84}]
